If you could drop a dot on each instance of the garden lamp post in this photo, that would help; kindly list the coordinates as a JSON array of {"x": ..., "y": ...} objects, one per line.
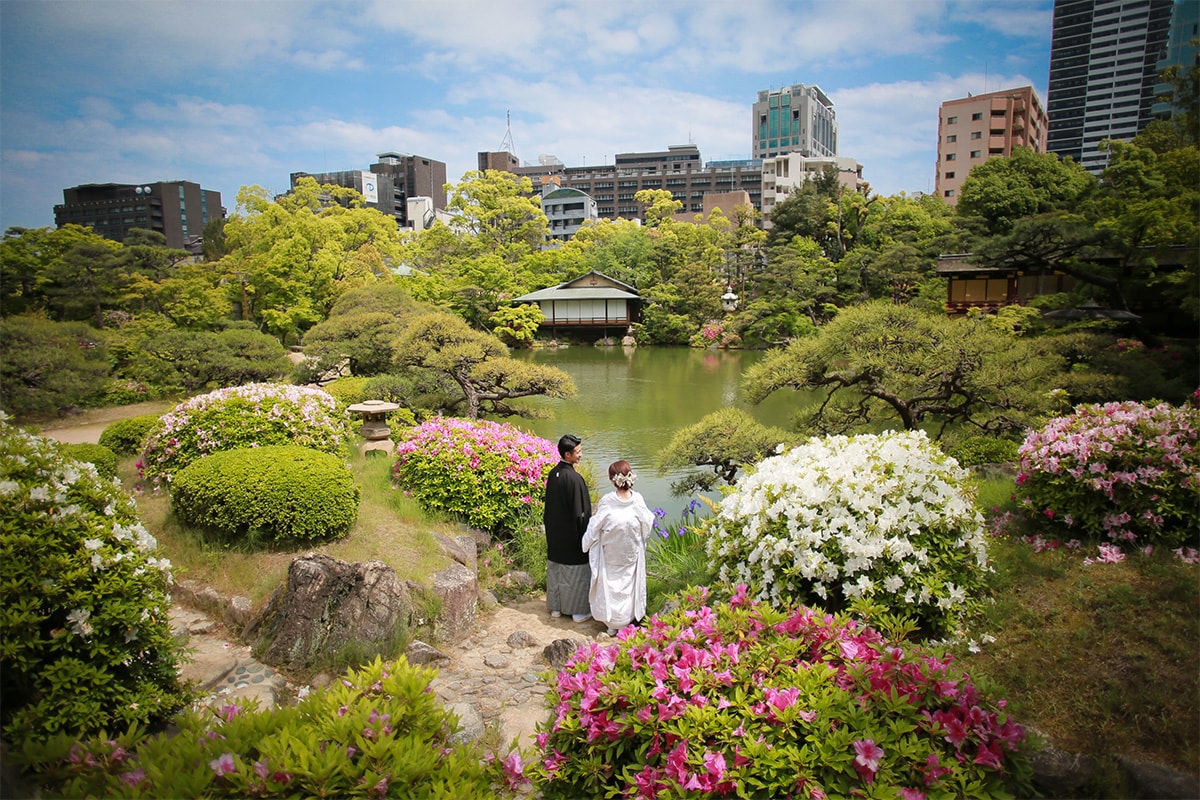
[{"x": 377, "y": 436}]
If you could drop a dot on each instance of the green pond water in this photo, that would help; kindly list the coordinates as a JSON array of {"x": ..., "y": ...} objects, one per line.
[{"x": 631, "y": 402}]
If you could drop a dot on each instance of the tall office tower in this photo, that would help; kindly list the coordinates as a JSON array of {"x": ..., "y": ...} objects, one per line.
[
  {"x": 1181, "y": 50},
  {"x": 982, "y": 126},
  {"x": 1103, "y": 68},
  {"x": 794, "y": 119},
  {"x": 177, "y": 209}
]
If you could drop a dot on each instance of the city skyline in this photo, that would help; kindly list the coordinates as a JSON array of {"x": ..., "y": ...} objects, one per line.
[{"x": 235, "y": 94}]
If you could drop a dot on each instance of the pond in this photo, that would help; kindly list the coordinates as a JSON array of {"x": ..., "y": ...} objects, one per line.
[{"x": 631, "y": 402}]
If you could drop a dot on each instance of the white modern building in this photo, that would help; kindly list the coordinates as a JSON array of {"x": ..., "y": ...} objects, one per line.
[
  {"x": 783, "y": 173},
  {"x": 567, "y": 210}
]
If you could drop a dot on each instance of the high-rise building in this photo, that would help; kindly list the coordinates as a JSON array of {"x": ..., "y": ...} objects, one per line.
[
  {"x": 978, "y": 127},
  {"x": 1180, "y": 51},
  {"x": 1104, "y": 58},
  {"x": 177, "y": 209},
  {"x": 794, "y": 119},
  {"x": 397, "y": 178}
]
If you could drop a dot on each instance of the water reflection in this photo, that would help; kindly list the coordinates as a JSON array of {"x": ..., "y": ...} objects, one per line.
[{"x": 631, "y": 402}]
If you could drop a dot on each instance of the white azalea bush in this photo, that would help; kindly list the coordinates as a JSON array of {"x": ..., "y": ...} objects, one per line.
[
  {"x": 253, "y": 415},
  {"x": 85, "y": 643},
  {"x": 882, "y": 519}
]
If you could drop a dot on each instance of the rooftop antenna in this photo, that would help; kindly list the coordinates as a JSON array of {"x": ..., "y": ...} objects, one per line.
[{"x": 506, "y": 145}]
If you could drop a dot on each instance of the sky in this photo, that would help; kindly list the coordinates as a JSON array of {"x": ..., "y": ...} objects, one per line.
[{"x": 230, "y": 93}]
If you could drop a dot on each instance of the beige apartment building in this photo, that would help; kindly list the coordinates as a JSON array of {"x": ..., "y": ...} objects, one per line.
[{"x": 983, "y": 126}]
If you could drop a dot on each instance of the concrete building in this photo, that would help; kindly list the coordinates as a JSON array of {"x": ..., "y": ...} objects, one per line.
[
  {"x": 784, "y": 173},
  {"x": 678, "y": 169},
  {"x": 794, "y": 119},
  {"x": 177, "y": 209},
  {"x": 1104, "y": 57},
  {"x": 567, "y": 210},
  {"x": 978, "y": 127},
  {"x": 391, "y": 182}
]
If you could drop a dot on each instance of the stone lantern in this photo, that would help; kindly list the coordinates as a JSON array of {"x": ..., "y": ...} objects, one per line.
[
  {"x": 377, "y": 436},
  {"x": 729, "y": 300}
]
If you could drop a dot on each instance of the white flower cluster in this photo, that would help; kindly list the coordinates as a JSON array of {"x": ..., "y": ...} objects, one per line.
[{"x": 853, "y": 516}]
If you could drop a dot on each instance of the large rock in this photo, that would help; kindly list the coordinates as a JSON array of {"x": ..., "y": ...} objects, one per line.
[
  {"x": 458, "y": 590},
  {"x": 1148, "y": 781},
  {"x": 1059, "y": 773},
  {"x": 324, "y": 606}
]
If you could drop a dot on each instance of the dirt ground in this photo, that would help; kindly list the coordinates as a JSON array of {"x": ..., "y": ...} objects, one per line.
[{"x": 86, "y": 425}]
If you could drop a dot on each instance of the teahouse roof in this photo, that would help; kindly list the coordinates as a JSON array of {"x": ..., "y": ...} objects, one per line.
[{"x": 592, "y": 286}]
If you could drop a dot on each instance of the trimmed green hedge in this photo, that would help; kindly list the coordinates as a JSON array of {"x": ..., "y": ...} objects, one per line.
[
  {"x": 99, "y": 456},
  {"x": 977, "y": 450},
  {"x": 126, "y": 436},
  {"x": 280, "y": 492}
]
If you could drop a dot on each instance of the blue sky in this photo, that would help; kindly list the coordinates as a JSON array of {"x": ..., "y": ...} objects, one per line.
[{"x": 230, "y": 94}]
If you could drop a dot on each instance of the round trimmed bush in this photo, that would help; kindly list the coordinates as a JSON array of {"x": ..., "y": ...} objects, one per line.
[
  {"x": 125, "y": 437},
  {"x": 744, "y": 700},
  {"x": 85, "y": 642},
  {"x": 1124, "y": 472},
  {"x": 886, "y": 519},
  {"x": 487, "y": 473},
  {"x": 99, "y": 456},
  {"x": 253, "y": 415},
  {"x": 280, "y": 492},
  {"x": 976, "y": 450}
]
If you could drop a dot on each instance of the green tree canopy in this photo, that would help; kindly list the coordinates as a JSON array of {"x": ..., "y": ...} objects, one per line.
[
  {"x": 728, "y": 441},
  {"x": 479, "y": 363},
  {"x": 1001, "y": 191},
  {"x": 883, "y": 365}
]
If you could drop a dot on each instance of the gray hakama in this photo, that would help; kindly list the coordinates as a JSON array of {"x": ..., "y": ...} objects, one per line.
[{"x": 567, "y": 587}]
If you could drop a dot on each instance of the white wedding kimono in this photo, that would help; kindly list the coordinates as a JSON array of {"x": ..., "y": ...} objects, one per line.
[{"x": 615, "y": 542}]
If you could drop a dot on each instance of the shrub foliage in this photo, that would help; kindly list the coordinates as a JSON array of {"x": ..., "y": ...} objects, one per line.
[
  {"x": 1124, "y": 472},
  {"x": 280, "y": 492},
  {"x": 125, "y": 437},
  {"x": 881, "y": 518},
  {"x": 487, "y": 473},
  {"x": 745, "y": 700},
  {"x": 99, "y": 456},
  {"x": 378, "y": 732},
  {"x": 84, "y": 638},
  {"x": 253, "y": 415}
]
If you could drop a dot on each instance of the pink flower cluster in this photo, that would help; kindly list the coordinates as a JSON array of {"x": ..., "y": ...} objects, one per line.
[
  {"x": 528, "y": 457},
  {"x": 1111, "y": 469},
  {"x": 728, "y": 668}
]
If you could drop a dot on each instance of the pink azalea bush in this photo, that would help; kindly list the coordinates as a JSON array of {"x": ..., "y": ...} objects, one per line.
[
  {"x": 489, "y": 474},
  {"x": 253, "y": 415},
  {"x": 1122, "y": 472},
  {"x": 745, "y": 700},
  {"x": 886, "y": 519}
]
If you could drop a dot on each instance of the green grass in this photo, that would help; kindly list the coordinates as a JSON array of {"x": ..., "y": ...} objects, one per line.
[
  {"x": 1101, "y": 659},
  {"x": 391, "y": 528}
]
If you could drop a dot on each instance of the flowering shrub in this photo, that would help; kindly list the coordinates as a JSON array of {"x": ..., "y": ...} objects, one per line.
[
  {"x": 278, "y": 492},
  {"x": 1124, "y": 472},
  {"x": 487, "y": 473},
  {"x": 84, "y": 637},
  {"x": 882, "y": 518},
  {"x": 243, "y": 416},
  {"x": 713, "y": 334},
  {"x": 675, "y": 557},
  {"x": 378, "y": 732},
  {"x": 745, "y": 700}
]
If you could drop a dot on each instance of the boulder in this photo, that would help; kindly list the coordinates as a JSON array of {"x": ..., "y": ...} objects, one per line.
[
  {"x": 560, "y": 650},
  {"x": 1059, "y": 773},
  {"x": 458, "y": 590},
  {"x": 419, "y": 653},
  {"x": 324, "y": 606},
  {"x": 518, "y": 640},
  {"x": 470, "y": 724},
  {"x": 1155, "y": 782}
]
